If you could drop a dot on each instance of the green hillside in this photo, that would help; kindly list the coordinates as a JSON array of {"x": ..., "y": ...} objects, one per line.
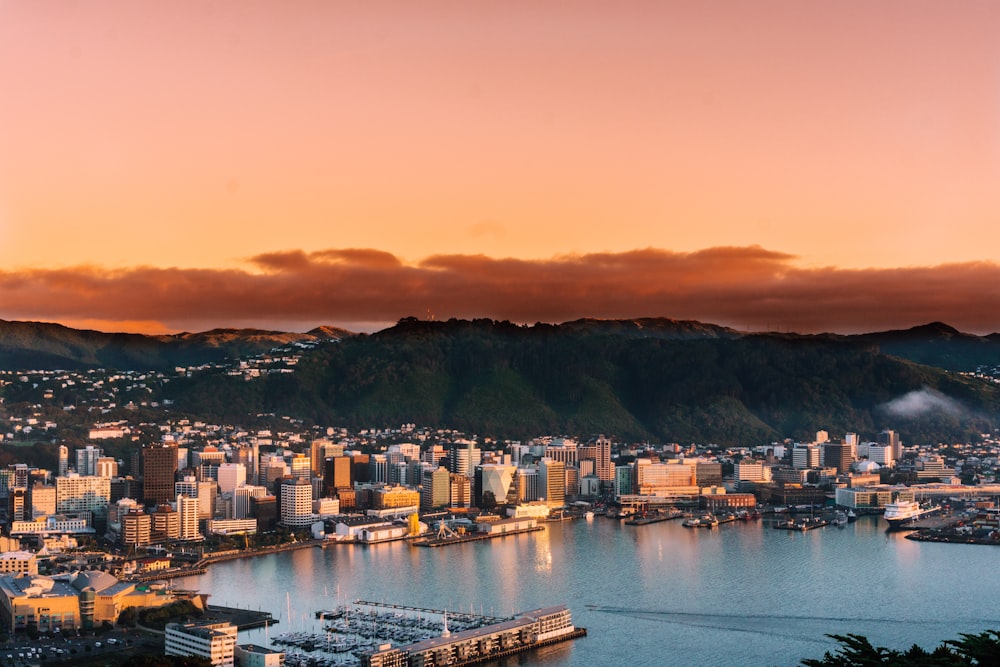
[{"x": 668, "y": 382}]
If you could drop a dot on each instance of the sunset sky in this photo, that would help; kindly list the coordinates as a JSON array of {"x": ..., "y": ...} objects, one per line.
[{"x": 811, "y": 166}]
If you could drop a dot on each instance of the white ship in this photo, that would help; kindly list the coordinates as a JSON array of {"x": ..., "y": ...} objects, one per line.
[{"x": 905, "y": 511}]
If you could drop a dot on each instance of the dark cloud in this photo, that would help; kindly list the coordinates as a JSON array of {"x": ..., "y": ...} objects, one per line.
[{"x": 747, "y": 288}]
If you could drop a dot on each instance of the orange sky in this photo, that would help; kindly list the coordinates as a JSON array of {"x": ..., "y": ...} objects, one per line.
[{"x": 188, "y": 138}]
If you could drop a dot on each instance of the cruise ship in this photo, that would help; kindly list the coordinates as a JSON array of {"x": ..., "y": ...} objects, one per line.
[{"x": 905, "y": 511}]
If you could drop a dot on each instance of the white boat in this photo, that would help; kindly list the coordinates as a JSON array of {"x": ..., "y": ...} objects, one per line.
[{"x": 904, "y": 511}]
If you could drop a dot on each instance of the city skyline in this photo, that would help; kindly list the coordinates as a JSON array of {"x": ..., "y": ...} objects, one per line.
[{"x": 819, "y": 167}]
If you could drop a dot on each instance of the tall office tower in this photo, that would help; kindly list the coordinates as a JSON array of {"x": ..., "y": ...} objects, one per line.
[
  {"x": 526, "y": 481},
  {"x": 435, "y": 491},
  {"x": 822, "y": 437},
  {"x": 495, "y": 480},
  {"x": 63, "y": 460},
  {"x": 317, "y": 453},
  {"x": 18, "y": 474},
  {"x": 187, "y": 508},
  {"x": 463, "y": 457},
  {"x": 159, "y": 466},
  {"x": 552, "y": 482},
  {"x": 231, "y": 475},
  {"x": 563, "y": 450},
  {"x": 106, "y": 467},
  {"x": 243, "y": 498},
  {"x": 623, "y": 480},
  {"x": 707, "y": 473},
  {"x": 460, "y": 491},
  {"x": 18, "y": 507},
  {"x": 300, "y": 466},
  {"x": 851, "y": 439},
  {"x": 207, "y": 492},
  {"x": 805, "y": 456},
  {"x": 76, "y": 494},
  {"x": 245, "y": 455},
  {"x": 891, "y": 438},
  {"x": 86, "y": 460},
  {"x": 187, "y": 486},
  {"x": 337, "y": 474},
  {"x": 433, "y": 455},
  {"x": 296, "y": 502},
  {"x": 323, "y": 449},
  {"x": 881, "y": 454},
  {"x": 137, "y": 528},
  {"x": 839, "y": 456},
  {"x": 166, "y": 523},
  {"x": 605, "y": 471},
  {"x": 378, "y": 466},
  {"x": 42, "y": 499}
]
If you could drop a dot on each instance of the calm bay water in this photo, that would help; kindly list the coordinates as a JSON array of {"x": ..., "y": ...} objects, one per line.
[{"x": 739, "y": 594}]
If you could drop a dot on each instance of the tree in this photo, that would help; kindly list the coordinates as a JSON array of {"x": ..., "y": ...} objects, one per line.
[
  {"x": 489, "y": 502},
  {"x": 857, "y": 651}
]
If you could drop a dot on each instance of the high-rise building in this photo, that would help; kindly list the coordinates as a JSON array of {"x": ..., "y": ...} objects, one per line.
[
  {"x": 86, "y": 460},
  {"x": 296, "y": 502},
  {"x": 881, "y": 454},
  {"x": 378, "y": 466},
  {"x": 495, "y": 480},
  {"x": 435, "y": 491},
  {"x": 605, "y": 471},
  {"x": 623, "y": 480},
  {"x": 43, "y": 500},
  {"x": 159, "y": 467},
  {"x": 319, "y": 451},
  {"x": 336, "y": 474},
  {"x": 463, "y": 457},
  {"x": 231, "y": 475},
  {"x": 528, "y": 487},
  {"x": 838, "y": 455},
  {"x": 106, "y": 467},
  {"x": 891, "y": 438},
  {"x": 63, "y": 460},
  {"x": 805, "y": 456},
  {"x": 300, "y": 466},
  {"x": 243, "y": 500},
  {"x": 460, "y": 491},
  {"x": 18, "y": 506},
  {"x": 166, "y": 524},
  {"x": 76, "y": 494},
  {"x": 136, "y": 528},
  {"x": 552, "y": 482},
  {"x": 187, "y": 509}
]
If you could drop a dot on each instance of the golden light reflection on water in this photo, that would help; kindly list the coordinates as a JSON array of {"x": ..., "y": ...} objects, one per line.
[{"x": 543, "y": 552}]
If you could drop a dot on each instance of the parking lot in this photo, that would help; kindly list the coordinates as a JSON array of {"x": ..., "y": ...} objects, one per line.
[{"x": 70, "y": 648}]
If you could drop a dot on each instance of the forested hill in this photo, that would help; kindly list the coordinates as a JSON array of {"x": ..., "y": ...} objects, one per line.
[
  {"x": 655, "y": 378},
  {"x": 46, "y": 346}
]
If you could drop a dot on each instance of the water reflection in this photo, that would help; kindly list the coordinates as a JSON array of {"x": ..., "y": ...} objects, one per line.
[{"x": 739, "y": 594}]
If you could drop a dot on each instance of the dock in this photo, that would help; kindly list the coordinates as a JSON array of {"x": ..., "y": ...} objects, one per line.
[
  {"x": 653, "y": 517},
  {"x": 434, "y": 542},
  {"x": 801, "y": 525}
]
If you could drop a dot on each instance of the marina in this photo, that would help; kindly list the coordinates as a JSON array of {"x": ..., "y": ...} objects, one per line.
[{"x": 378, "y": 634}]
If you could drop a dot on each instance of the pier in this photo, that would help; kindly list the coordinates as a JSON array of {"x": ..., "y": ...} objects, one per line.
[{"x": 470, "y": 537}]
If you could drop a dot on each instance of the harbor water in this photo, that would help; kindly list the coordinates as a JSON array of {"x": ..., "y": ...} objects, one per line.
[{"x": 739, "y": 594}]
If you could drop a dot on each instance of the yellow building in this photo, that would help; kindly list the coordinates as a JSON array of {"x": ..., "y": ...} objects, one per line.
[
  {"x": 18, "y": 562},
  {"x": 83, "y": 600},
  {"x": 394, "y": 497}
]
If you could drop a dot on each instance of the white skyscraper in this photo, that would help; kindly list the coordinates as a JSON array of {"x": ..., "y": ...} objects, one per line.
[
  {"x": 187, "y": 507},
  {"x": 231, "y": 475}
]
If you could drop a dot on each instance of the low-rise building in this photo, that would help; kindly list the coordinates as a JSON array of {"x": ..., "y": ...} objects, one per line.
[
  {"x": 18, "y": 562},
  {"x": 251, "y": 655},
  {"x": 214, "y": 641}
]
